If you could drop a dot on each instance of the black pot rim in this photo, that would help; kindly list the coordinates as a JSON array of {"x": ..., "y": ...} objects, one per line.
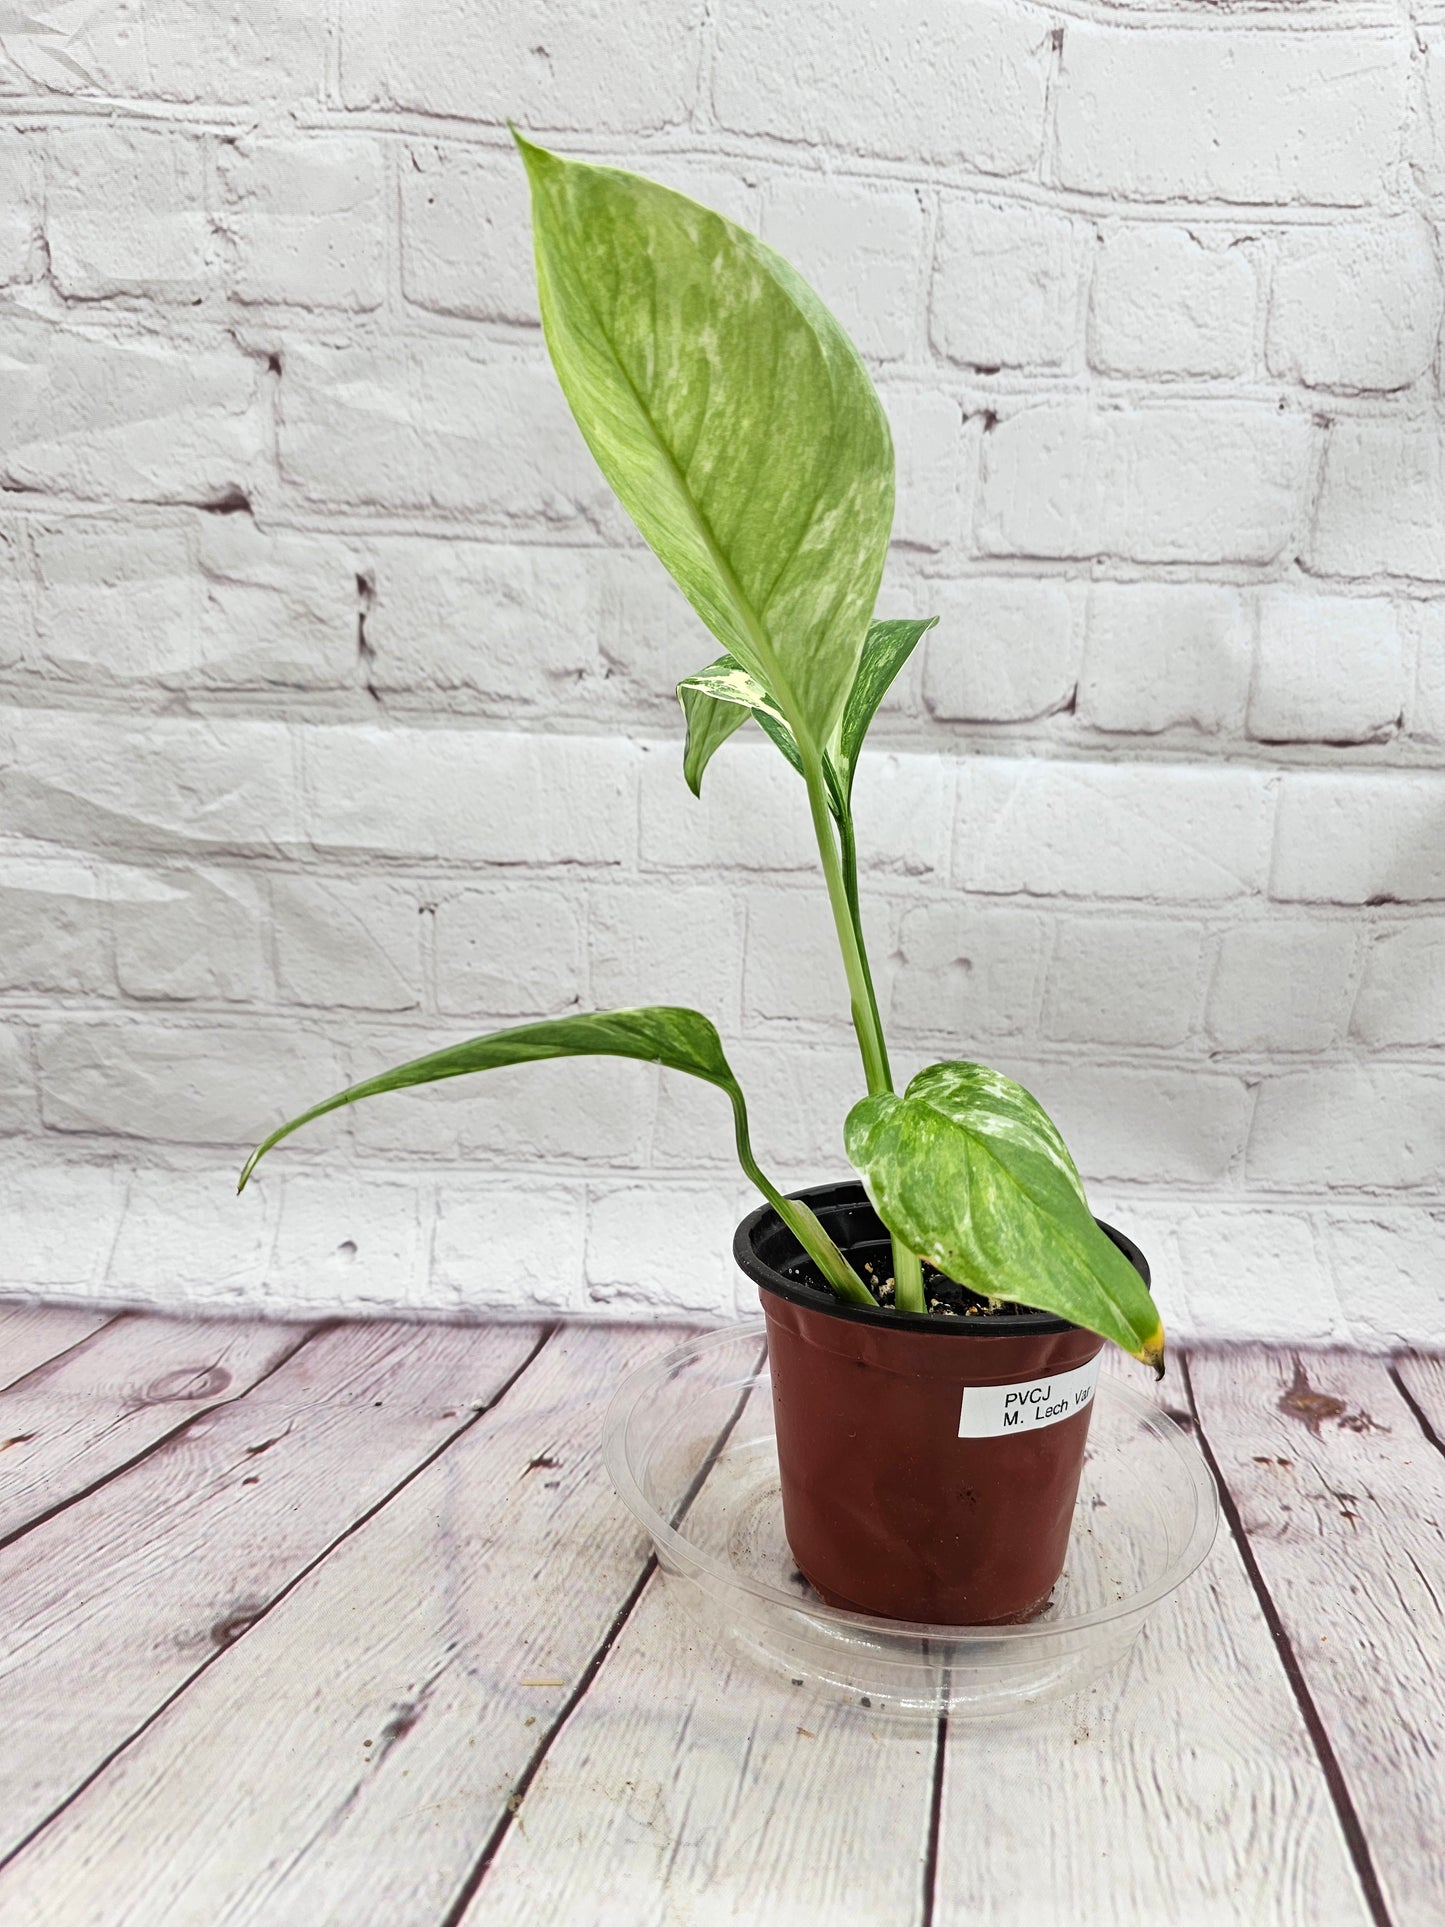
[{"x": 1002, "y": 1325}]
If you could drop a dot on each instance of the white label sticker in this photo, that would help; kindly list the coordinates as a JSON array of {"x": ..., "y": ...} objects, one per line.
[{"x": 991, "y": 1410}]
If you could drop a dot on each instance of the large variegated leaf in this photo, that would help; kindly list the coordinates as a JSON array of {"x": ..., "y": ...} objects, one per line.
[
  {"x": 717, "y": 701},
  {"x": 731, "y": 415},
  {"x": 667, "y": 1034},
  {"x": 968, "y": 1169}
]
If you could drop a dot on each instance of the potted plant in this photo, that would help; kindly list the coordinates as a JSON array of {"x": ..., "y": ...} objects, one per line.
[{"x": 935, "y": 1331}]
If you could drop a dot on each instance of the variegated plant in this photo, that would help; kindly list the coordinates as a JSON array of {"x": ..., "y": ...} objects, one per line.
[{"x": 738, "y": 426}]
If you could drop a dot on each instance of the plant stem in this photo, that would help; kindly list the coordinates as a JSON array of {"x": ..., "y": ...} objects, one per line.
[
  {"x": 839, "y": 854},
  {"x": 798, "y": 1218}
]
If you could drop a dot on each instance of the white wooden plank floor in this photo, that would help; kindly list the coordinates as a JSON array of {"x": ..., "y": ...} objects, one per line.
[{"x": 344, "y": 1625}]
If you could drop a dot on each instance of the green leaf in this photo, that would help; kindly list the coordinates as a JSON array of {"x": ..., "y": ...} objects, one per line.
[
  {"x": 969, "y": 1170},
  {"x": 660, "y": 1034},
  {"x": 731, "y": 415},
  {"x": 717, "y": 701},
  {"x": 888, "y": 647},
  {"x": 667, "y": 1034}
]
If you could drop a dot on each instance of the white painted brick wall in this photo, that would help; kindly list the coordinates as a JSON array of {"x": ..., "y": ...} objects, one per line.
[{"x": 335, "y": 693}]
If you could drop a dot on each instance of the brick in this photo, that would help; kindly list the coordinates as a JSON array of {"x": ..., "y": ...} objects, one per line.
[
  {"x": 646, "y": 632},
  {"x": 936, "y": 448},
  {"x": 1162, "y": 656},
  {"x": 517, "y": 625},
  {"x": 510, "y": 952},
  {"x": 60, "y": 1223},
  {"x": 349, "y": 1244},
  {"x": 145, "y": 419},
  {"x": 861, "y": 247},
  {"x": 1381, "y": 507},
  {"x": 661, "y": 943},
  {"x": 218, "y": 605},
  {"x": 967, "y": 970},
  {"x": 1006, "y": 286},
  {"x": 1353, "y": 1128},
  {"x": 919, "y": 81},
  {"x": 86, "y": 573},
  {"x": 1168, "y": 482},
  {"x": 1402, "y": 993},
  {"x": 1005, "y": 650},
  {"x": 1163, "y": 1125},
  {"x": 1123, "y": 980},
  {"x": 508, "y": 1246},
  {"x": 585, "y": 1111},
  {"x": 1225, "y": 1253},
  {"x": 1357, "y": 837},
  {"x": 1166, "y": 301},
  {"x": 55, "y": 929},
  {"x": 125, "y": 213},
  {"x": 1356, "y": 308},
  {"x": 793, "y": 969},
  {"x": 465, "y": 234},
  {"x": 18, "y": 221},
  {"x": 665, "y": 1247},
  {"x": 432, "y": 425},
  {"x": 1427, "y": 126},
  {"x": 903, "y": 807},
  {"x": 164, "y": 784},
  {"x": 277, "y": 607},
  {"x": 752, "y": 814},
  {"x": 1422, "y": 624},
  {"x": 176, "y": 1086},
  {"x": 1327, "y": 669},
  {"x": 187, "y": 1239},
  {"x": 17, "y": 623},
  {"x": 1271, "y": 117},
  {"x": 480, "y": 796},
  {"x": 17, "y": 1081},
  {"x": 1386, "y": 1273},
  {"x": 353, "y": 944},
  {"x": 183, "y": 934},
  {"x": 1175, "y": 833},
  {"x": 306, "y": 221},
  {"x": 272, "y": 50},
  {"x": 445, "y": 57},
  {"x": 1283, "y": 985}
]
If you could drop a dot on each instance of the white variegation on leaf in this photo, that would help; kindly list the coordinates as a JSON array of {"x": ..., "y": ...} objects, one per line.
[
  {"x": 972, "y": 1173},
  {"x": 731, "y": 415}
]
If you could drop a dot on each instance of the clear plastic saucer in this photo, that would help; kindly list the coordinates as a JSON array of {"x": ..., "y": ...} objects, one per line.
[{"x": 689, "y": 1444}]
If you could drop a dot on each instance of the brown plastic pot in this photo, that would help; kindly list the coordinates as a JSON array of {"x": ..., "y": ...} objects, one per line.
[{"x": 887, "y": 1508}]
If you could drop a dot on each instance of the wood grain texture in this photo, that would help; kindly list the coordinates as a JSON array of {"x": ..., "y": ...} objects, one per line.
[
  {"x": 708, "y": 1790},
  {"x": 1343, "y": 1502},
  {"x": 79, "y": 1417},
  {"x": 346, "y": 1761},
  {"x": 1182, "y": 1787},
  {"x": 687, "y": 1790},
  {"x": 178, "y": 1558},
  {"x": 31, "y": 1335}
]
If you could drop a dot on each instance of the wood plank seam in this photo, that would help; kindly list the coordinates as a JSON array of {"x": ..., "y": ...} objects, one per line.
[
  {"x": 308, "y": 1332},
  {"x": 1421, "y": 1420},
  {"x": 1345, "y": 1810},
  {"x": 362, "y": 1520},
  {"x": 65, "y": 1351},
  {"x": 935, "y": 1822},
  {"x": 472, "y": 1884}
]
